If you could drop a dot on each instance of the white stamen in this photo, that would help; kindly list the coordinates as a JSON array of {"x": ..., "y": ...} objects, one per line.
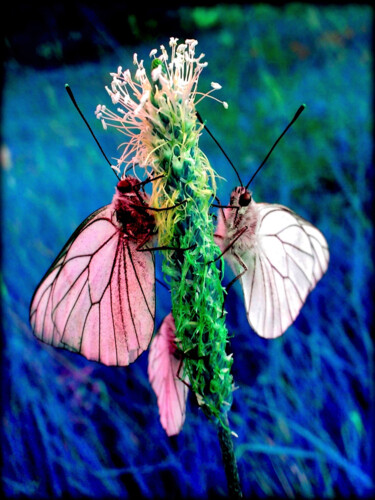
[
  {"x": 136, "y": 113},
  {"x": 142, "y": 102},
  {"x": 191, "y": 42},
  {"x": 181, "y": 48},
  {"x": 156, "y": 72},
  {"x": 116, "y": 97}
]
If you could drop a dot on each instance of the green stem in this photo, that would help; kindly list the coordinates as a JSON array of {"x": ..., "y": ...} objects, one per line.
[{"x": 229, "y": 459}]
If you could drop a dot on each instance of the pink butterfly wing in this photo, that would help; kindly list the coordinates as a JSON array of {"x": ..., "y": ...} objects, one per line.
[
  {"x": 164, "y": 370},
  {"x": 98, "y": 298}
]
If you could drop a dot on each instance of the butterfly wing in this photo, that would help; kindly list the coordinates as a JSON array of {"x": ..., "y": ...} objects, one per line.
[
  {"x": 287, "y": 260},
  {"x": 97, "y": 298},
  {"x": 164, "y": 370}
]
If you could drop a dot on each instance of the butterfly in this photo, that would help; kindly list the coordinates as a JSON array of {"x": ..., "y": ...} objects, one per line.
[
  {"x": 278, "y": 256},
  {"x": 98, "y": 296},
  {"x": 164, "y": 368}
]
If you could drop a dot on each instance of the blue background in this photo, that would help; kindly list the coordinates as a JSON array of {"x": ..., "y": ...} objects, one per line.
[{"x": 304, "y": 409}]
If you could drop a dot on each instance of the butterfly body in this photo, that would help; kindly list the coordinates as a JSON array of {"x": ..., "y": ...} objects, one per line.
[
  {"x": 239, "y": 219},
  {"x": 97, "y": 298},
  {"x": 278, "y": 256},
  {"x": 130, "y": 207}
]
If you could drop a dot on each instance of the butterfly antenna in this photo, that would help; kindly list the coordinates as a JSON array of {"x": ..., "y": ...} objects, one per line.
[
  {"x": 220, "y": 147},
  {"x": 70, "y": 93},
  {"x": 299, "y": 111}
]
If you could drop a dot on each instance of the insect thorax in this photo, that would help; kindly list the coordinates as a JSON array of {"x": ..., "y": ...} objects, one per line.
[
  {"x": 131, "y": 213},
  {"x": 243, "y": 221}
]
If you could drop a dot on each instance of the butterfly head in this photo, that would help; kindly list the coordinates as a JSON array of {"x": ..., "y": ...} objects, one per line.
[
  {"x": 127, "y": 185},
  {"x": 241, "y": 197},
  {"x": 128, "y": 190},
  {"x": 129, "y": 203}
]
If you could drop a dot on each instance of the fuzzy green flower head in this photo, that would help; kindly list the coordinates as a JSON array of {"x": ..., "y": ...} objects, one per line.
[
  {"x": 149, "y": 107},
  {"x": 158, "y": 115}
]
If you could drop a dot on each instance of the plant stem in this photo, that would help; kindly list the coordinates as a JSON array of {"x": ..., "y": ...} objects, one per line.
[{"x": 229, "y": 459}]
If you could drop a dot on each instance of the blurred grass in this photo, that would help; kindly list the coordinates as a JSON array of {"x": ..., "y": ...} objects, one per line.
[{"x": 304, "y": 408}]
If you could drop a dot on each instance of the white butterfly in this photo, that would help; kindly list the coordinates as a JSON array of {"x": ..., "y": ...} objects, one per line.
[{"x": 278, "y": 256}]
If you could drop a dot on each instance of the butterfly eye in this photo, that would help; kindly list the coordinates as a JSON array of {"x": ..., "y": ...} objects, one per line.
[
  {"x": 245, "y": 199},
  {"x": 124, "y": 186}
]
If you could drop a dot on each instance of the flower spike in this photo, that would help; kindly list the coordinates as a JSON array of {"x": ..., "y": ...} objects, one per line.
[{"x": 143, "y": 101}]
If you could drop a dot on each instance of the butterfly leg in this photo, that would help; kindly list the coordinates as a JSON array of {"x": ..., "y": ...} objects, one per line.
[
  {"x": 179, "y": 371},
  {"x": 155, "y": 209},
  {"x": 153, "y": 249},
  {"x": 237, "y": 235},
  {"x": 243, "y": 265},
  {"x": 225, "y": 206},
  {"x": 162, "y": 284},
  {"x": 231, "y": 283},
  {"x": 236, "y": 256}
]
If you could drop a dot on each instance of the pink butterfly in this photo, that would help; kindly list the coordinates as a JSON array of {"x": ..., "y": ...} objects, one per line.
[
  {"x": 278, "y": 256},
  {"x": 98, "y": 296},
  {"x": 164, "y": 368}
]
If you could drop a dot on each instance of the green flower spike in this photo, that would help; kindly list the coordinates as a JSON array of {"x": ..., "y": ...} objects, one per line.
[{"x": 159, "y": 116}]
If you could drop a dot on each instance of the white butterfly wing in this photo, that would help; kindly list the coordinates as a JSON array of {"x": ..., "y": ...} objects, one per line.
[
  {"x": 287, "y": 260},
  {"x": 164, "y": 372},
  {"x": 97, "y": 298}
]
